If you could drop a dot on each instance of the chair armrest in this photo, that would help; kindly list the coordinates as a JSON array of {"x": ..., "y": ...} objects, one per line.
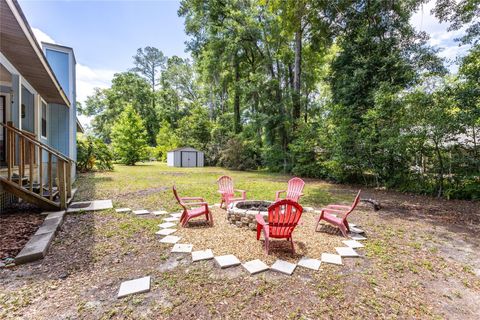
[
  {"x": 277, "y": 194},
  {"x": 197, "y": 203},
  {"x": 193, "y": 198},
  {"x": 243, "y": 192},
  {"x": 260, "y": 220},
  {"x": 329, "y": 210}
]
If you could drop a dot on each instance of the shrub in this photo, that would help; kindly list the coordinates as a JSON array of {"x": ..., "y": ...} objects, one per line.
[
  {"x": 93, "y": 154},
  {"x": 239, "y": 155}
]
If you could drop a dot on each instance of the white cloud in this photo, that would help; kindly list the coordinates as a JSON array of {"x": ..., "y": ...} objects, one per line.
[
  {"x": 42, "y": 36},
  {"x": 90, "y": 78},
  {"x": 440, "y": 37},
  {"x": 87, "y": 78}
]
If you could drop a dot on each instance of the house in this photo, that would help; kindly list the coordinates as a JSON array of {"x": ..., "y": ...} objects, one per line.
[
  {"x": 38, "y": 122},
  {"x": 185, "y": 157}
]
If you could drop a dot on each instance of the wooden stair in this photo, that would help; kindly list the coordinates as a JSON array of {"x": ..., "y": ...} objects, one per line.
[
  {"x": 29, "y": 196},
  {"x": 36, "y": 186}
]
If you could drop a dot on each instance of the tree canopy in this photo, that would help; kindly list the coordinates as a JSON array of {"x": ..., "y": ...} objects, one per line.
[{"x": 340, "y": 90}]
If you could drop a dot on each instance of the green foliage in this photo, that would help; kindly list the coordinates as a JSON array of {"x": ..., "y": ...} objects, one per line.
[
  {"x": 129, "y": 137},
  {"x": 239, "y": 155},
  {"x": 346, "y": 91},
  {"x": 194, "y": 129},
  {"x": 93, "y": 154},
  {"x": 166, "y": 140},
  {"x": 107, "y": 104}
]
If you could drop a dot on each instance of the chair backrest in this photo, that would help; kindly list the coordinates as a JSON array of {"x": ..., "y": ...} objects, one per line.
[
  {"x": 180, "y": 202},
  {"x": 354, "y": 204},
  {"x": 283, "y": 217},
  {"x": 295, "y": 188},
  {"x": 225, "y": 184}
]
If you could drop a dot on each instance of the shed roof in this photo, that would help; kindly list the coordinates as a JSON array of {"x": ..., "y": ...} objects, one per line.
[{"x": 184, "y": 149}]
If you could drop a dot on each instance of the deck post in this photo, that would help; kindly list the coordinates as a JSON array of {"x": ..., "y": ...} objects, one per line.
[
  {"x": 61, "y": 183},
  {"x": 68, "y": 178}
]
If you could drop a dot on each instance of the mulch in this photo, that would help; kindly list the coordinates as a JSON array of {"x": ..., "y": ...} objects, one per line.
[{"x": 15, "y": 231}]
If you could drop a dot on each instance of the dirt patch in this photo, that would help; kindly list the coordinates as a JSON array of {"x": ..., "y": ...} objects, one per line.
[
  {"x": 141, "y": 193},
  {"x": 15, "y": 231}
]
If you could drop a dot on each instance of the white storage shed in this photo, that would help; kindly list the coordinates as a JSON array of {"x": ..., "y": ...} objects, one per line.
[{"x": 185, "y": 157}]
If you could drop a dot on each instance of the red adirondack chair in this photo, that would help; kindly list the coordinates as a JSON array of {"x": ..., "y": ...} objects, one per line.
[
  {"x": 283, "y": 217},
  {"x": 294, "y": 190},
  {"x": 185, "y": 203},
  {"x": 341, "y": 210},
  {"x": 225, "y": 188}
]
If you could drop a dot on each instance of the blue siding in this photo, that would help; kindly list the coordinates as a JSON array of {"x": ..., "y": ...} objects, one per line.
[
  {"x": 59, "y": 63},
  {"x": 29, "y": 115},
  {"x": 15, "y": 100},
  {"x": 58, "y": 127}
]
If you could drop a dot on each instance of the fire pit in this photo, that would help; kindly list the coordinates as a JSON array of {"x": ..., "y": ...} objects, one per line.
[{"x": 242, "y": 213}]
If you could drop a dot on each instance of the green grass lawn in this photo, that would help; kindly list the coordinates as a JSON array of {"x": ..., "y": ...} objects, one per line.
[
  {"x": 417, "y": 263},
  {"x": 149, "y": 186}
]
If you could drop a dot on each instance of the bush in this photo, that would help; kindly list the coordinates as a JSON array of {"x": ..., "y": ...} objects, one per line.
[
  {"x": 93, "y": 154},
  {"x": 239, "y": 155}
]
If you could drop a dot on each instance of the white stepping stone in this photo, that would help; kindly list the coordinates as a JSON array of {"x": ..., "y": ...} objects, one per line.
[
  {"x": 357, "y": 237},
  {"x": 165, "y": 232},
  {"x": 170, "y": 239},
  {"x": 123, "y": 210},
  {"x": 95, "y": 205},
  {"x": 227, "y": 261},
  {"x": 159, "y": 212},
  {"x": 356, "y": 230},
  {"x": 140, "y": 285},
  {"x": 182, "y": 248},
  {"x": 176, "y": 215},
  {"x": 166, "y": 225},
  {"x": 308, "y": 209},
  {"x": 255, "y": 266},
  {"x": 216, "y": 205},
  {"x": 346, "y": 252},
  {"x": 331, "y": 258},
  {"x": 171, "y": 219},
  {"x": 140, "y": 212},
  {"x": 202, "y": 255},
  {"x": 354, "y": 244},
  {"x": 309, "y": 263},
  {"x": 283, "y": 267}
]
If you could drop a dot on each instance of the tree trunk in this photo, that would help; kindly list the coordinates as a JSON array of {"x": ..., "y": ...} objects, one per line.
[
  {"x": 441, "y": 169},
  {"x": 297, "y": 68},
  {"x": 236, "y": 99}
]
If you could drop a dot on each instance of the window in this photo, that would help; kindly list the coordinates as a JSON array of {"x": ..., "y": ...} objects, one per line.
[{"x": 44, "y": 119}]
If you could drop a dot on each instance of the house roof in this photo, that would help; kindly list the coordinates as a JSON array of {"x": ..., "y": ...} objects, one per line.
[
  {"x": 19, "y": 46},
  {"x": 184, "y": 148},
  {"x": 80, "y": 127}
]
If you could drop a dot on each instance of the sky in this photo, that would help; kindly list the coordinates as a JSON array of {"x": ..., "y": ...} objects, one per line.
[{"x": 106, "y": 34}]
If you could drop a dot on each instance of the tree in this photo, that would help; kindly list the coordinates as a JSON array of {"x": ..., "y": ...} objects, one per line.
[
  {"x": 107, "y": 104},
  {"x": 148, "y": 63},
  {"x": 463, "y": 13},
  {"x": 166, "y": 140},
  {"x": 129, "y": 138},
  {"x": 194, "y": 129}
]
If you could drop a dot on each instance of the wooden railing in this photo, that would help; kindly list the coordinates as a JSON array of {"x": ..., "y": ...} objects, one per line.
[{"x": 22, "y": 150}]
